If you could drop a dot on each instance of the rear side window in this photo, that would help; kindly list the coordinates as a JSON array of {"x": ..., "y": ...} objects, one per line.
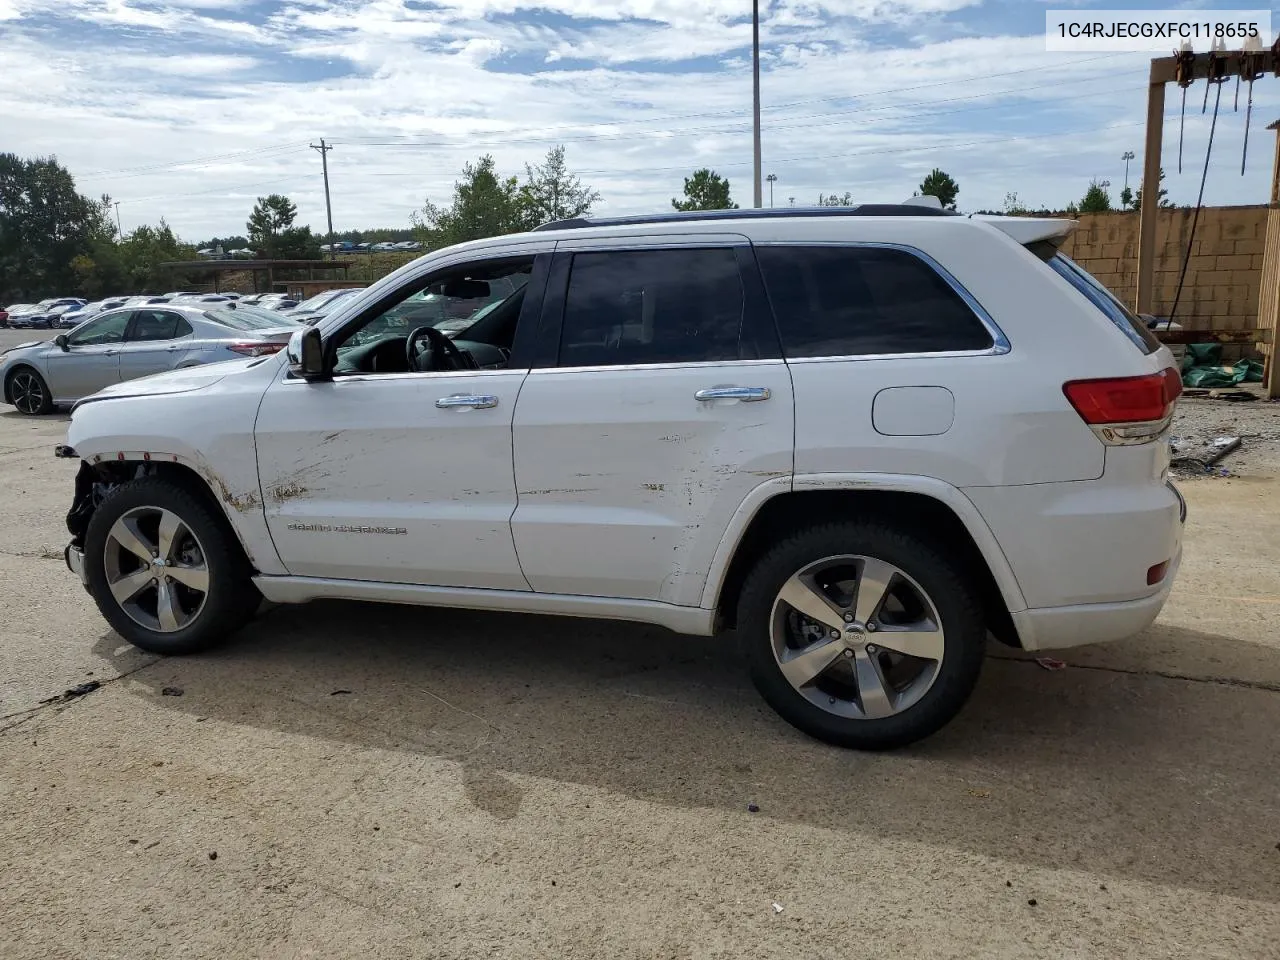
[
  {"x": 248, "y": 318},
  {"x": 652, "y": 306},
  {"x": 158, "y": 325},
  {"x": 1102, "y": 298},
  {"x": 863, "y": 301}
]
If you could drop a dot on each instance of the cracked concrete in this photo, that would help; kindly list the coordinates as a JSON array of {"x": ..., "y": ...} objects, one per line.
[{"x": 506, "y": 786}]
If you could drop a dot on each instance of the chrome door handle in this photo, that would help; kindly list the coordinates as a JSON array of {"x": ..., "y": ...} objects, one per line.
[
  {"x": 467, "y": 400},
  {"x": 745, "y": 394}
]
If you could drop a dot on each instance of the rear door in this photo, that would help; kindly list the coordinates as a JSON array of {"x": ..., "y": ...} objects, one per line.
[
  {"x": 662, "y": 404},
  {"x": 153, "y": 343}
]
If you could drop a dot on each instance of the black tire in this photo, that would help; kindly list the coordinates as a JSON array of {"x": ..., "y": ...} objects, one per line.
[
  {"x": 954, "y": 599},
  {"x": 231, "y": 599},
  {"x": 11, "y": 387}
]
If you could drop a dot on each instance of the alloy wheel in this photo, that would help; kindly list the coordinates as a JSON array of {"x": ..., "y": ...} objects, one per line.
[
  {"x": 857, "y": 637},
  {"x": 156, "y": 569},
  {"x": 27, "y": 392}
]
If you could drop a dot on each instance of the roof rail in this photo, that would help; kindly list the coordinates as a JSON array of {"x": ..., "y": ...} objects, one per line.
[{"x": 781, "y": 213}]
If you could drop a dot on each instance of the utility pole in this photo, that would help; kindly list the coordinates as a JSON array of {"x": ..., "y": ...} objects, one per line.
[
  {"x": 772, "y": 178},
  {"x": 119, "y": 229},
  {"x": 328, "y": 209},
  {"x": 755, "y": 98}
]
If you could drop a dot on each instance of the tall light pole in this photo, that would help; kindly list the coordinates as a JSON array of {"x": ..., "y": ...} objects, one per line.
[
  {"x": 772, "y": 178},
  {"x": 755, "y": 96},
  {"x": 119, "y": 229},
  {"x": 1128, "y": 155}
]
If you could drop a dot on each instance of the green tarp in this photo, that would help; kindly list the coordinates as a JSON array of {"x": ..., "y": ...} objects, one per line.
[{"x": 1202, "y": 367}]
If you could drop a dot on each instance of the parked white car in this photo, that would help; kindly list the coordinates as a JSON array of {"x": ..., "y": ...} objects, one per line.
[{"x": 865, "y": 437}]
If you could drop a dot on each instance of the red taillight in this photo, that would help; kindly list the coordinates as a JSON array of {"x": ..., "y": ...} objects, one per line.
[
  {"x": 1125, "y": 399},
  {"x": 1156, "y": 574},
  {"x": 255, "y": 349}
]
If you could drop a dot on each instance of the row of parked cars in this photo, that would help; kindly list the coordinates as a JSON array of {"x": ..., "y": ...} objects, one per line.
[
  {"x": 69, "y": 312},
  {"x": 387, "y": 246}
]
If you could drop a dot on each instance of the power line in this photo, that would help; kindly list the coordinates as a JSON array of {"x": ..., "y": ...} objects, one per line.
[{"x": 128, "y": 172}]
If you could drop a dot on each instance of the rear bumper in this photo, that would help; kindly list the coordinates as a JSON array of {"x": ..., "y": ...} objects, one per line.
[{"x": 1056, "y": 628}]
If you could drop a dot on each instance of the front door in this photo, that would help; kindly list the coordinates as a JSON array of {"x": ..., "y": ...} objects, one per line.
[
  {"x": 393, "y": 474},
  {"x": 92, "y": 358},
  {"x": 668, "y": 406}
]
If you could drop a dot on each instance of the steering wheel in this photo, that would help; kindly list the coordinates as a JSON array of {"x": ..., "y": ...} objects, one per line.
[{"x": 441, "y": 346}]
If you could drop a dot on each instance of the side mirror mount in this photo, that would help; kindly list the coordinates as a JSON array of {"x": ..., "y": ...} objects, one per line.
[
  {"x": 61, "y": 342},
  {"x": 306, "y": 354}
]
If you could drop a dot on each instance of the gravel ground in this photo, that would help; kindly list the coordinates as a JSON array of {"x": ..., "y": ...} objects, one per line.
[
  {"x": 354, "y": 780},
  {"x": 1257, "y": 423}
]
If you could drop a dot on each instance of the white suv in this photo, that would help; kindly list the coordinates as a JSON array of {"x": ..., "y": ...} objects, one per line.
[{"x": 866, "y": 438}]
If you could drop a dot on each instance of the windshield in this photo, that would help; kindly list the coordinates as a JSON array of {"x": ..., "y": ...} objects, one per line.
[
  {"x": 250, "y": 318},
  {"x": 320, "y": 299}
]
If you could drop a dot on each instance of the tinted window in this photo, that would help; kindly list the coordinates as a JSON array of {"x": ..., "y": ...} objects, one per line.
[
  {"x": 852, "y": 301},
  {"x": 656, "y": 306},
  {"x": 108, "y": 328},
  {"x": 1102, "y": 298},
  {"x": 250, "y": 318},
  {"x": 158, "y": 325}
]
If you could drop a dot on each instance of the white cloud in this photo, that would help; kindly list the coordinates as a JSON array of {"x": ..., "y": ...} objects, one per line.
[{"x": 211, "y": 67}]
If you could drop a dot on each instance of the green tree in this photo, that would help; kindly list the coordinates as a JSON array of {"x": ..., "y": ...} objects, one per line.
[
  {"x": 272, "y": 215},
  {"x": 1096, "y": 199},
  {"x": 551, "y": 192},
  {"x": 484, "y": 205},
  {"x": 835, "y": 201},
  {"x": 45, "y": 224},
  {"x": 705, "y": 190},
  {"x": 940, "y": 185},
  {"x": 142, "y": 252},
  {"x": 1013, "y": 206},
  {"x": 1162, "y": 195},
  {"x": 1126, "y": 199}
]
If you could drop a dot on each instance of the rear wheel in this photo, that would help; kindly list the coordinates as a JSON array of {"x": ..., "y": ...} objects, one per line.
[
  {"x": 164, "y": 570},
  {"x": 28, "y": 392},
  {"x": 861, "y": 635}
]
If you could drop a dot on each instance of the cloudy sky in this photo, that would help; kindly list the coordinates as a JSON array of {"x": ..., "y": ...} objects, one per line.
[{"x": 188, "y": 109}]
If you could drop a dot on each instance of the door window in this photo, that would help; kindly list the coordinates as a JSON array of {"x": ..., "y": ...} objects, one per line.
[
  {"x": 653, "y": 306},
  {"x": 476, "y": 306},
  {"x": 105, "y": 329},
  {"x": 157, "y": 325},
  {"x": 857, "y": 301}
]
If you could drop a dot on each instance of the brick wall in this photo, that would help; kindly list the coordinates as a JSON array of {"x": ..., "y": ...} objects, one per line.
[{"x": 1223, "y": 277}]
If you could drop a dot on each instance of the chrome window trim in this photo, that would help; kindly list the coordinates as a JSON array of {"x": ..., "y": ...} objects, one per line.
[
  {"x": 677, "y": 365},
  {"x": 1000, "y": 343},
  {"x": 414, "y": 375}
]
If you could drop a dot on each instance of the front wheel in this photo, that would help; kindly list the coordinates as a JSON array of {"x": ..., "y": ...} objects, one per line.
[
  {"x": 29, "y": 393},
  {"x": 164, "y": 570},
  {"x": 862, "y": 635}
]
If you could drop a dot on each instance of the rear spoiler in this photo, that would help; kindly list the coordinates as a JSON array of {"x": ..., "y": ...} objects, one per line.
[{"x": 1039, "y": 234}]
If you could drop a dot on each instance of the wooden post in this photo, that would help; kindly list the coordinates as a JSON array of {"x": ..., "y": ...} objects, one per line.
[
  {"x": 1269, "y": 289},
  {"x": 1150, "y": 195}
]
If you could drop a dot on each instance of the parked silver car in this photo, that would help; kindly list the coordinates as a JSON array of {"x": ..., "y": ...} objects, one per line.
[{"x": 129, "y": 343}]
